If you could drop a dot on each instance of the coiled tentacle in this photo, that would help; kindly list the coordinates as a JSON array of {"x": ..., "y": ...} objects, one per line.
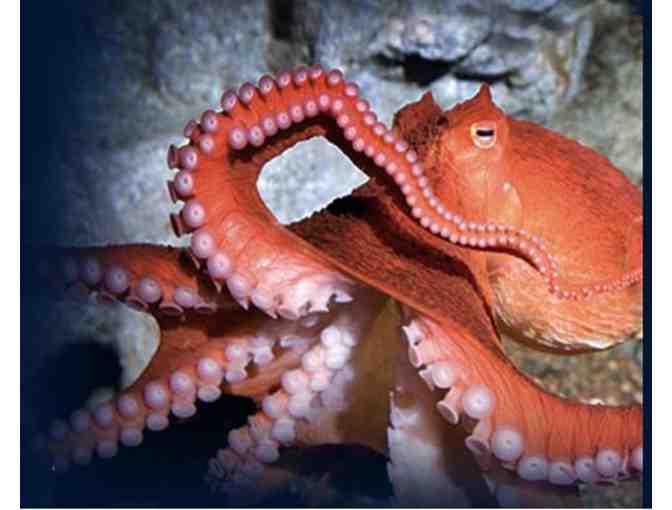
[
  {"x": 226, "y": 144},
  {"x": 513, "y": 421},
  {"x": 155, "y": 279}
]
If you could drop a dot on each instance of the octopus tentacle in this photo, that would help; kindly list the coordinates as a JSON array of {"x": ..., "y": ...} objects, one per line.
[
  {"x": 516, "y": 423},
  {"x": 388, "y": 250},
  {"x": 426, "y": 454},
  {"x": 236, "y": 136},
  {"x": 201, "y": 358},
  {"x": 154, "y": 279},
  {"x": 236, "y": 242},
  {"x": 423, "y": 452},
  {"x": 303, "y": 373},
  {"x": 511, "y": 491},
  {"x": 198, "y": 359},
  {"x": 316, "y": 386}
]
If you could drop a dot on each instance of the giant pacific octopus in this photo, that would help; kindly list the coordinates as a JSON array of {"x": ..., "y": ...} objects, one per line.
[{"x": 472, "y": 225}]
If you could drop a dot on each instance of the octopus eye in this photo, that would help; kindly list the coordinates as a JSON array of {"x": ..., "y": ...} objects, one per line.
[{"x": 484, "y": 134}]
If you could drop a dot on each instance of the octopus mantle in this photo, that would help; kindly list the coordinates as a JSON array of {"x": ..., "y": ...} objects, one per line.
[{"x": 472, "y": 224}]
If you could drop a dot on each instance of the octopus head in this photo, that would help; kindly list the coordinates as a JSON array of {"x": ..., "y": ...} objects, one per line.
[
  {"x": 477, "y": 130},
  {"x": 472, "y": 152}
]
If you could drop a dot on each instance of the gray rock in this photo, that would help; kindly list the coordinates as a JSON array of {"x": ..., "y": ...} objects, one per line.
[
  {"x": 114, "y": 196},
  {"x": 158, "y": 63},
  {"x": 133, "y": 335},
  {"x": 535, "y": 52},
  {"x": 310, "y": 162},
  {"x": 446, "y": 32},
  {"x": 607, "y": 114},
  {"x": 531, "y": 5}
]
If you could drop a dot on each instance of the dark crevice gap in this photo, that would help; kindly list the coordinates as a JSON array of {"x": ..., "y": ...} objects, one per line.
[
  {"x": 416, "y": 69},
  {"x": 424, "y": 72},
  {"x": 281, "y": 18}
]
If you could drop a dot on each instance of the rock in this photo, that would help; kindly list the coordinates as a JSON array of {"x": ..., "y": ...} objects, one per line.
[
  {"x": 533, "y": 52},
  {"x": 297, "y": 194},
  {"x": 156, "y": 64},
  {"x": 607, "y": 114}
]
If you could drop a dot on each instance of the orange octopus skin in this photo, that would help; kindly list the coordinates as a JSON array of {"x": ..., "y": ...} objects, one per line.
[
  {"x": 466, "y": 220},
  {"x": 555, "y": 188}
]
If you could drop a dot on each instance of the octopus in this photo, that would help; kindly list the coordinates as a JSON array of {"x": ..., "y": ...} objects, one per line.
[{"x": 378, "y": 321}]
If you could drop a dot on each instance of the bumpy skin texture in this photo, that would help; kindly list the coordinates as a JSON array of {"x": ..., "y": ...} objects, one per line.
[{"x": 474, "y": 223}]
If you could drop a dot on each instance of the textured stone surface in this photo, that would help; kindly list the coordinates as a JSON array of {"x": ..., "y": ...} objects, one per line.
[
  {"x": 155, "y": 64},
  {"x": 303, "y": 168},
  {"x": 531, "y": 52},
  {"x": 607, "y": 114},
  {"x": 133, "y": 335}
]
